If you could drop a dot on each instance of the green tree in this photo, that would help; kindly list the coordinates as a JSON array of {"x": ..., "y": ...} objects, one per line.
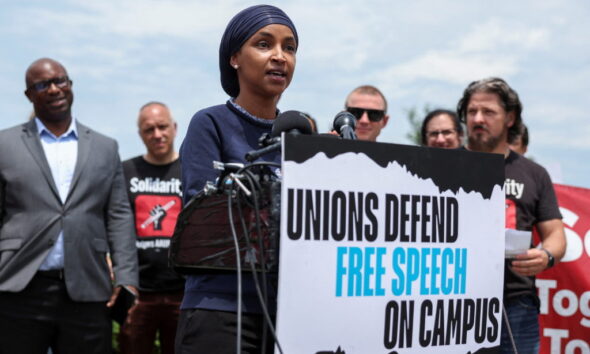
[{"x": 415, "y": 119}]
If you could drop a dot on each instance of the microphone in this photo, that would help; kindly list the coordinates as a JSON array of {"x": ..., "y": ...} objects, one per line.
[
  {"x": 291, "y": 122},
  {"x": 344, "y": 124}
]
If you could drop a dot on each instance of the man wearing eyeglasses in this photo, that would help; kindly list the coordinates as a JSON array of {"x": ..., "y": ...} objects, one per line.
[
  {"x": 63, "y": 207},
  {"x": 369, "y": 106}
]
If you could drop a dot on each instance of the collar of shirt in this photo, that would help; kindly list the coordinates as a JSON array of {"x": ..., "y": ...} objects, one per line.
[
  {"x": 61, "y": 154},
  {"x": 72, "y": 131}
]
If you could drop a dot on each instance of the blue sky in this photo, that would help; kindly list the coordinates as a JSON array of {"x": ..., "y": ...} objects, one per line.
[{"x": 124, "y": 53}]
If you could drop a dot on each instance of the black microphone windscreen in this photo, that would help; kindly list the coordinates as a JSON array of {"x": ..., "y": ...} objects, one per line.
[
  {"x": 291, "y": 120},
  {"x": 344, "y": 118}
]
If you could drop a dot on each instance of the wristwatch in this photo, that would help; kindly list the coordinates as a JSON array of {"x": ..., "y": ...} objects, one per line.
[{"x": 551, "y": 259}]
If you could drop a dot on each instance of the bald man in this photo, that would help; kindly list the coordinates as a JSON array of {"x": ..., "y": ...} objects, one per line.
[
  {"x": 63, "y": 207},
  {"x": 153, "y": 186}
]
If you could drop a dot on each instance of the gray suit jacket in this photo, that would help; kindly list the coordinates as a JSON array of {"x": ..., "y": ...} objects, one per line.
[{"x": 95, "y": 218}]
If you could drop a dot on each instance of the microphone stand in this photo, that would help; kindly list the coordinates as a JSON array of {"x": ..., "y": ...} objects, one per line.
[{"x": 346, "y": 132}]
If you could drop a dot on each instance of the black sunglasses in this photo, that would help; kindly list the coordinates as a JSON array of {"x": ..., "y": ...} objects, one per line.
[
  {"x": 61, "y": 82},
  {"x": 375, "y": 115}
]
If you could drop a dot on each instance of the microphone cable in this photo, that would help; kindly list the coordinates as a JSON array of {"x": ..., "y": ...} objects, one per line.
[
  {"x": 236, "y": 192},
  {"x": 239, "y": 273},
  {"x": 262, "y": 294},
  {"x": 505, "y": 316}
]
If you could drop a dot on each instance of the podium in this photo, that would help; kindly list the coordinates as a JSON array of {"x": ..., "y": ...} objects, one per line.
[
  {"x": 203, "y": 241},
  {"x": 383, "y": 248}
]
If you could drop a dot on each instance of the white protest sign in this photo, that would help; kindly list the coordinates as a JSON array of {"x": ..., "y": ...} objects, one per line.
[{"x": 377, "y": 259}]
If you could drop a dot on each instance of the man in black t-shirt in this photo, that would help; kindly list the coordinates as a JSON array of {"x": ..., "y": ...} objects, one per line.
[
  {"x": 520, "y": 143},
  {"x": 492, "y": 112},
  {"x": 153, "y": 186}
]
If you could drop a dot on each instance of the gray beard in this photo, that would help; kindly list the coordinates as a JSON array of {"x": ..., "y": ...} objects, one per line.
[{"x": 483, "y": 146}]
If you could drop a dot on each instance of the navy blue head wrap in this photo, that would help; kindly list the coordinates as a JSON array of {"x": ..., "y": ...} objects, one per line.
[{"x": 240, "y": 28}]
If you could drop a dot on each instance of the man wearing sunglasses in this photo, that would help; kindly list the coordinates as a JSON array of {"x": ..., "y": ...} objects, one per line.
[
  {"x": 63, "y": 207},
  {"x": 369, "y": 106}
]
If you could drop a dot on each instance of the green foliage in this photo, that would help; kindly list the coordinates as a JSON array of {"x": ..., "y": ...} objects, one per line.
[
  {"x": 415, "y": 119},
  {"x": 115, "y": 340}
]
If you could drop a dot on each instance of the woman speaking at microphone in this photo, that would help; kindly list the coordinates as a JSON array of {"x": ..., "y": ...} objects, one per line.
[{"x": 257, "y": 61}]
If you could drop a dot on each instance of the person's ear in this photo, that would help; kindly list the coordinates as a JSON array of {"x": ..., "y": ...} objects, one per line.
[
  {"x": 385, "y": 120},
  {"x": 233, "y": 61},
  {"x": 510, "y": 118},
  {"x": 28, "y": 94}
]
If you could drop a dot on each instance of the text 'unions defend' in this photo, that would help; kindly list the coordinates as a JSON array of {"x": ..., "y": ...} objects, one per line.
[{"x": 322, "y": 215}]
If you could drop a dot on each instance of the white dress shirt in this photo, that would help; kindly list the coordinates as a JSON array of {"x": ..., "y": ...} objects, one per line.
[{"x": 61, "y": 154}]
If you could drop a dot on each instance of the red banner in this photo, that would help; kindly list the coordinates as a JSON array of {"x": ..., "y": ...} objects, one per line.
[{"x": 565, "y": 289}]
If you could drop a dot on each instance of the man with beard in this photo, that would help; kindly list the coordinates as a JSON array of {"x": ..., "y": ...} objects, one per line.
[
  {"x": 492, "y": 110},
  {"x": 63, "y": 207}
]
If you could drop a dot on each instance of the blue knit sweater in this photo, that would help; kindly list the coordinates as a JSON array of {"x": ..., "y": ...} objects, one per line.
[{"x": 220, "y": 133}]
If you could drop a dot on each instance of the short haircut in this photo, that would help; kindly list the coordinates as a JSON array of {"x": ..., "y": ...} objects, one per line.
[
  {"x": 37, "y": 62},
  {"x": 436, "y": 113},
  {"x": 524, "y": 136},
  {"x": 368, "y": 90},
  {"x": 152, "y": 103},
  {"x": 508, "y": 99}
]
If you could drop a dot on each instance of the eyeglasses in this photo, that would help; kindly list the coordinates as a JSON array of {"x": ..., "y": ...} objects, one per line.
[
  {"x": 445, "y": 133},
  {"x": 375, "y": 115},
  {"x": 61, "y": 82}
]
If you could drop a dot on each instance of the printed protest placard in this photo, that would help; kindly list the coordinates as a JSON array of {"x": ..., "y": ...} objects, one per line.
[
  {"x": 389, "y": 248},
  {"x": 564, "y": 290}
]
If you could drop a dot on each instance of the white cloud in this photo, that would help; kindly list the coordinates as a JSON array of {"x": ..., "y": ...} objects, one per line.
[
  {"x": 497, "y": 34},
  {"x": 452, "y": 67},
  {"x": 133, "y": 18},
  {"x": 475, "y": 55},
  {"x": 124, "y": 52},
  {"x": 554, "y": 113},
  {"x": 344, "y": 43},
  {"x": 494, "y": 48}
]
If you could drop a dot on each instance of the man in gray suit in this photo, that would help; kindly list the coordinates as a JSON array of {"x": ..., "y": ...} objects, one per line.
[{"x": 63, "y": 207}]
